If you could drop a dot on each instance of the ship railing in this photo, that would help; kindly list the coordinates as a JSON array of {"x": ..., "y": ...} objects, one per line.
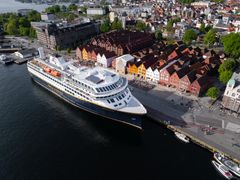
[{"x": 120, "y": 87}]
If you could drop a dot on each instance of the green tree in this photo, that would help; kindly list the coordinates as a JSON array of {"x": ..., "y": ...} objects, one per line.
[
  {"x": 53, "y": 9},
  {"x": 105, "y": 26},
  {"x": 23, "y": 21},
  {"x": 225, "y": 76},
  {"x": 32, "y": 33},
  {"x": 72, "y": 7},
  {"x": 116, "y": 24},
  {"x": 218, "y": 1},
  {"x": 231, "y": 43},
  {"x": 12, "y": 27},
  {"x": 213, "y": 92},
  {"x": 24, "y": 31},
  {"x": 170, "y": 23},
  {"x": 141, "y": 26},
  {"x": 202, "y": 28},
  {"x": 186, "y": 1},
  {"x": 158, "y": 35},
  {"x": 34, "y": 16},
  {"x": 84, "y": 9},
  {"x": 70, "y": 17},
  {"x": 208, "y": 28},
  {"x": 227, "y": 65},
  {"x": 69, "y": 50},
  {"x": 210, "y": 38},
  {"x": 189, "y": 36}
]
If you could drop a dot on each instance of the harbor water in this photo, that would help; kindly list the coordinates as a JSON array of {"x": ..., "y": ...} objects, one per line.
[
  {"x": 44, "y": 138},
  {"x": 13, "y": 6}
]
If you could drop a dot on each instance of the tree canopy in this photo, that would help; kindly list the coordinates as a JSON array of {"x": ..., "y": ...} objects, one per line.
[
  {"x": 186, "y": 1},
  {"x": 213, "y": 92},
  {"x": 141, "y": 26},
  {"x": 72, "y": 7},
  {"x": 189, "y": 36},
  {"x": 227, "y": 65},
  {"x": 210, "y": 38},
  {"x": 231, "y": 43},
  {"x": 53, "y": 9},
  {"x": 218, "y": 1},
  {"x": 105, "y": 26},
  {"x": 225, "y": 76},
  {"x": 116, "y": 24},
  {"x": 20, "y": 25},
  {"x": 170, "y": 23},
  {"x": 158, "y": 35},
  {"x": 226, "y": 70},
  {"x": 202, "y": 28}
]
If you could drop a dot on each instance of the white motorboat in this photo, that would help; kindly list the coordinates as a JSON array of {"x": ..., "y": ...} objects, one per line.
[
  {"x": 232, "y": 166},
  {"x": 222, "y": 169},
  {"x": 182, "y": 137}
]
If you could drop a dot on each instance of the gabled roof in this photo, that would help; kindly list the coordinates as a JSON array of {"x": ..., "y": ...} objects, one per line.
[
  {"x": 191, "y": 76},
  {"x": 182, "y": 72}
]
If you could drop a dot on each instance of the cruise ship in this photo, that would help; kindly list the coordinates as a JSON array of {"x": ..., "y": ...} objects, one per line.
[{"x": 97, "y": 90}]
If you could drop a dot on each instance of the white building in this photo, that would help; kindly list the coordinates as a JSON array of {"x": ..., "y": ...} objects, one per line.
[
  {"x": 121, "y": 63},
  {"x": 231, "y": 98},
  {"x": 96, "y": 11},
  {"x": 112, "y": 16},
  {"x": 105, "y": 59},
  {"x": 152, "y": 74}
]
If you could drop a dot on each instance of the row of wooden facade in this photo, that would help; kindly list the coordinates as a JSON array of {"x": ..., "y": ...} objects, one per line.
[{"x": 185, "y": 69}]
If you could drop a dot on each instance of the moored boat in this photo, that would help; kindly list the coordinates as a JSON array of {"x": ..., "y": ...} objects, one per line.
[
  {"x": 182, "y": 137},
  {"x": 5, "y": 60},
  {"x": 96, "y": 90},
  {"x": 222, "y": 169},
  {"x": 232, "y": 166}
]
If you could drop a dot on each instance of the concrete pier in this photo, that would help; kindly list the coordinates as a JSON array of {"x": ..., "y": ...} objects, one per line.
[{"x": 203, "y": 126}]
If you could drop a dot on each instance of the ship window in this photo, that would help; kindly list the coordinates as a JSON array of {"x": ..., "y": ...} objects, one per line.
[
  {"x": 112, "y": 100},
  {"x": 101, "y": 89},
  {"x": 123, "y": 95},
  {"x": 97, "y": 90},
  {"x": 104, "y": 89},
  {"x": 115, "y": 105},
  {"x": 107, "y": 88},
  {"x": 120, "y": 104},
  {"x": 108, "y": 101},
  {"x": 120, "y": 97}
]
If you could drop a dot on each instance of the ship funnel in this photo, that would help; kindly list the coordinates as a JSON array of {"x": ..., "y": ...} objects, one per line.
[{"x": 41, "y": 53}]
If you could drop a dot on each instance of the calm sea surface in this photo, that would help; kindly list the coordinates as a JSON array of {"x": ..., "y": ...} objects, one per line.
[
  {"x": 44, "y": 138},
  {"x": 13, "y": 6}
]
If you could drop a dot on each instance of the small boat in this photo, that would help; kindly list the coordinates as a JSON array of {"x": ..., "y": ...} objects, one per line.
[
  {"x": 232, "y": 166},
  {"x": 222, "y": 169},
  {"x": 5, "y": 60},
  {"x": 182, "y": 137}
]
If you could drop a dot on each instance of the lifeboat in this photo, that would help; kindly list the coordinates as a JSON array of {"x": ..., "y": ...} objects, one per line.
[
  {"x": 55, "y": 73},
  {"x": 47, "y": 69}
]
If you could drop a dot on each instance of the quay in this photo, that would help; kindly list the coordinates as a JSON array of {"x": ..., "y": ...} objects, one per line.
[
  {"x": 178, "y": 118},
  {"x": 21, "y": 61}
]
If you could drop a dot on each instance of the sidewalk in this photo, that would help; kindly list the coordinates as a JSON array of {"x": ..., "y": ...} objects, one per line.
[{"x": 193, "y": 118}]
